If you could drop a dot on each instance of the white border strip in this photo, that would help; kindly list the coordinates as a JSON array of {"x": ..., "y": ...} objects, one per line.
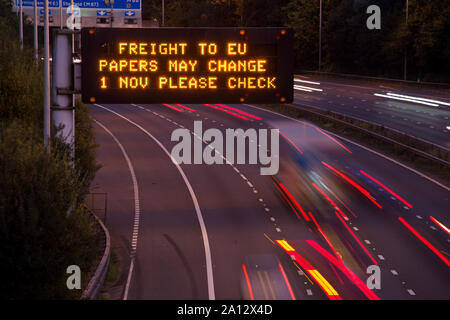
[
  {"x": 209, "y": 272},
  {"x": 137, "y": 209},
  {"x": 361, "y": 146}
]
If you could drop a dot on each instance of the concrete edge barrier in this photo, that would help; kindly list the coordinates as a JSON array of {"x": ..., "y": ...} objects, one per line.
[{"x": 97, "y": 280}]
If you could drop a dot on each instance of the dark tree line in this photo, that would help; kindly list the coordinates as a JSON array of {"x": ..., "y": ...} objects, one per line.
[
  {"x": 39, "y": 240},
  {"x": 348, "y": 46}
]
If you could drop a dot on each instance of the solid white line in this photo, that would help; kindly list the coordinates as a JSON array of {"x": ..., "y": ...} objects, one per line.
[
  {"x": 361, "y": 146},
  {"x": 136, "y": 206},
  {"x": 127, "y": 287},
  {"x": 209, "y": 272}
]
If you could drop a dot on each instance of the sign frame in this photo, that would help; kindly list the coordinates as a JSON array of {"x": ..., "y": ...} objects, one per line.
[{"x": 275, "y": 44}]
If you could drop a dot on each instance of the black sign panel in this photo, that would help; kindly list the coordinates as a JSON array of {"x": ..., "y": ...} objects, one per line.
[{"x": 187, "y": 65}]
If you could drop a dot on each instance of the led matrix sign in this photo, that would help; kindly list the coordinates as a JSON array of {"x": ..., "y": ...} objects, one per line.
[{"x": 187, "y": 65}]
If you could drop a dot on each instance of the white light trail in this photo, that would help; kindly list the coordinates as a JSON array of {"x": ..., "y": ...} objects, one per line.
[
  {"x": 306, "y": 88},
  {"x": 310, "y": 82},
  {"x": 297, "y": 88},
  {"x": 405, "y": 99},
  {"x": 418, "y": 98}
]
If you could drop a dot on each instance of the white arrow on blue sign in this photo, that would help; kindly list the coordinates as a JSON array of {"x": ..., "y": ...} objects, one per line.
[
  {"x": 41, "y": 12},
  {"x": 130, "y": 13},
  {"x": 101, "y": 13}
]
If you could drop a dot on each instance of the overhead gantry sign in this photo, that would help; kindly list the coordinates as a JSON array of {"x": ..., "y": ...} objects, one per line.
[{"x": 187, "y": 65}]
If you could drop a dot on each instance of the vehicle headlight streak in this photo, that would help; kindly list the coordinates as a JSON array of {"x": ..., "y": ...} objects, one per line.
[
  {"x": 406, "y": 99},
  {"x": 301, "y": 88},
  {"x": 418, "y": 98},
  {"x": 305, "y": 88},
  {"x": 440, "y": 225},
  {"x": 310, "y": 82}
]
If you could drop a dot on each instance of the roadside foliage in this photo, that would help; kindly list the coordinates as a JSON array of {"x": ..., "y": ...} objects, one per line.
[{"x": 44, "y": 226}]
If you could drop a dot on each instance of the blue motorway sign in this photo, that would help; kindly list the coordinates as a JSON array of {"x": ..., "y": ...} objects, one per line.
[{"x": 85, "y": 4}]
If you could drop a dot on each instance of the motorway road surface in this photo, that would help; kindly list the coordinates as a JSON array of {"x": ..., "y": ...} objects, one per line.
[
  {"x": 422, "y": 113},
  {"x": 224, "y": 231}
]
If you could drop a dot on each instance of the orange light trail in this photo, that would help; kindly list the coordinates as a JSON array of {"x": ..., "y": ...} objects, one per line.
[
  {"x": 429, "y": 245},
  {"x": 440, "y": 225},
  {"x": 354, "y": 184},
  {"x": 387, "y": 189}
]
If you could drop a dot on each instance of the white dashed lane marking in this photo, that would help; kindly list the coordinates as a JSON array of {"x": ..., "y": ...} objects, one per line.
[
  {"x": 137, "y": 210},
  {"x": 225, "y": 159},
  {"x": 209, "y": 273}
]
